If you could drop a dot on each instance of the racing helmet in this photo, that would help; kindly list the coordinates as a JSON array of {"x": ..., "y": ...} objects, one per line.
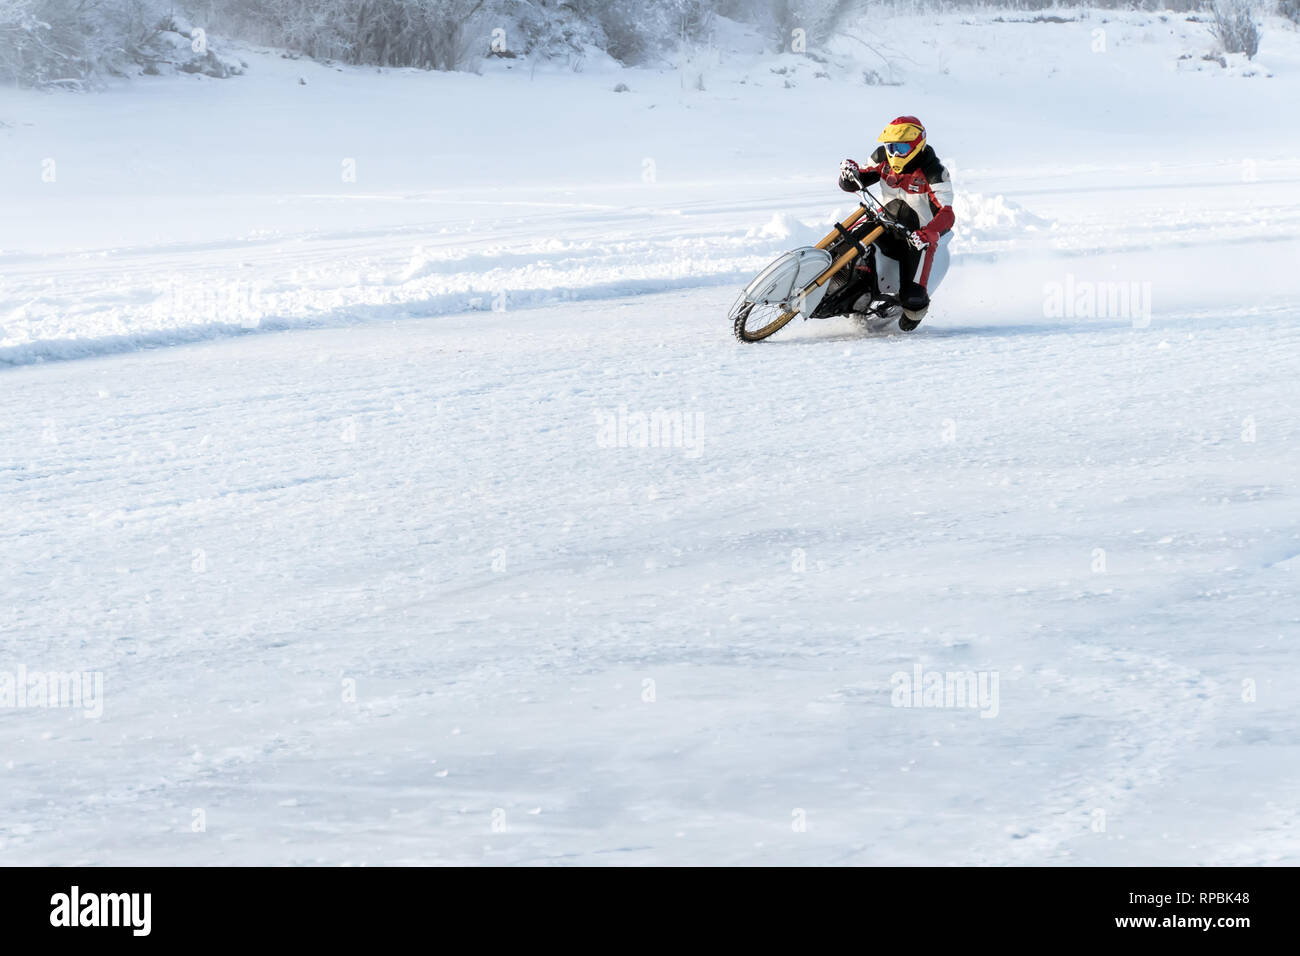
[{"x": 904, "y": 138}]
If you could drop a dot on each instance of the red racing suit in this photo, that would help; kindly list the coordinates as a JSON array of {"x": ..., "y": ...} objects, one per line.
[{"x": 924, "y": 187}]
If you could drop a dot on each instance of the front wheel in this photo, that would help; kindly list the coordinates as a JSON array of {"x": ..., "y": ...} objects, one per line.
[{"x": 755, "y": 321}]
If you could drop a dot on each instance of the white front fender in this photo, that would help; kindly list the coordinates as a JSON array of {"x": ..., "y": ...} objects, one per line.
[{"x": 782, "y": 281}]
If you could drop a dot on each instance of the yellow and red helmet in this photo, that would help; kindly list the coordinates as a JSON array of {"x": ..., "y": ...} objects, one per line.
[{"x": 904, "y": 138}]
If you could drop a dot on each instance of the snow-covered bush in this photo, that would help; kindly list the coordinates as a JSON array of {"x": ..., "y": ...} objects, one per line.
[
  {"x": 72, "y": 43},
  {"x": 318, "y": 28},
  {"x": 546, "y": 28},
  {"x": 780, "y": 19},
  {"x": 431, "y": 34},
  {"x": 1235, "y": 27},
  {"x": 1289, "y": 9},
  {"x": 66, "y": 42},
  {"x": 632, "y": 31}
]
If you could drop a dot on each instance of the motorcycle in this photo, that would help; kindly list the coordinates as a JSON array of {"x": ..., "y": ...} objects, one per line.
[{"x": 843, "y": 274}]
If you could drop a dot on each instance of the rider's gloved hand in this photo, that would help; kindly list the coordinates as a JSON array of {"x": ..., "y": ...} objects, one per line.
[
  {"x": 849, "y": 173},
  {"x": 922, "y": 238}
]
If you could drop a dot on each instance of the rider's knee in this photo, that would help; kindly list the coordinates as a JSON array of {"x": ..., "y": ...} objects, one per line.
[{"x": 914, "y": 298}]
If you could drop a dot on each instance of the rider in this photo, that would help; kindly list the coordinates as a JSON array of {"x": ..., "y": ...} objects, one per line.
[{"x": 918, "y": 193}]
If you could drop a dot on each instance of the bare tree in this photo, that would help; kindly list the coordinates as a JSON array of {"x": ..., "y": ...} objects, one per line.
[
  {"x": 431, "y": 34},
  {"x": 1235, "y": 27}
]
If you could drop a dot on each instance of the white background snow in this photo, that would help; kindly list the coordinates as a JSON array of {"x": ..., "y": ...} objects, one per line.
[{"x": 269, "y": 435}]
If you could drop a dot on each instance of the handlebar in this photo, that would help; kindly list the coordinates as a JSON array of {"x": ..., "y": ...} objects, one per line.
[{"x": 880, "y": 216}]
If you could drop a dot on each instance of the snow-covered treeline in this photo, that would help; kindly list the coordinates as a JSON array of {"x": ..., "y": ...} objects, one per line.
[
  {"x": 452, "y": 34},
  {"x": 67, "y": 43}
]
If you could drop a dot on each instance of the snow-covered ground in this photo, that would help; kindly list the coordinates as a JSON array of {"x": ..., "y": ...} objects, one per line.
[{"x": 370, "y": 576}]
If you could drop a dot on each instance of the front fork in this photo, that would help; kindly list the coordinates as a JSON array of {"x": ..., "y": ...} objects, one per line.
[
  {"x": 853, "y": 219},
  {"x": 856, "y": 248}
]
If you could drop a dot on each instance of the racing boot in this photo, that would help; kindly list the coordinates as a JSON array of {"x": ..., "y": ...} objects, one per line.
[{"x": 915, "y": 302}]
